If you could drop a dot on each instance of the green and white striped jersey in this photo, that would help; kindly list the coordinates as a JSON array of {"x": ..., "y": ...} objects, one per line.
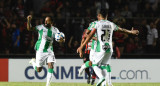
[
  {"x": 91, "y": 26},
  {"x": 104, "y": 33},
  {"x": 45, "y": 38}
]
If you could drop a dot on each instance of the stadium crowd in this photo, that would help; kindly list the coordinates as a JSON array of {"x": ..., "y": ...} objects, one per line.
[{"x": 72, "y": 17}]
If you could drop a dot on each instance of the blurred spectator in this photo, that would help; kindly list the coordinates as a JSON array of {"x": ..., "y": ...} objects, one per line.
[
  {"x": 125, "y": 12},
  {"x": 15, "y": 38},
  {"x": 120, "y": 37},
  {"x": 148, "y": 11},
  {"x": 151, "y": 38},
  {"x": 72, "y": 16},
  {"x": 25, "y": 42},
  {"x": 73, "y": 44},
  {"x": 138, "y": 45},
  {"x": 116, "y": 53},
  {"x": 130, "y": 46}
]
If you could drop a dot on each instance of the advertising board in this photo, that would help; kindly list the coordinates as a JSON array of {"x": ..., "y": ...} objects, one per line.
[{"x": 66, "y": 70}]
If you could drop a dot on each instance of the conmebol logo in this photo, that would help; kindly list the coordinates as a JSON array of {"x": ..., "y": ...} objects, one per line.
[{"x": 60, "y": 73}]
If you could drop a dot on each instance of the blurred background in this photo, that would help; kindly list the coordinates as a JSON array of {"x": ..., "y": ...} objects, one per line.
[{"x": 73, "y": 16}]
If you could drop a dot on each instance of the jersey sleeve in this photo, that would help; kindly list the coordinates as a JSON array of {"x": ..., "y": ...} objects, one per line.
[
  {"x": 95, "y": 26},
  {"x": 57, "y": 31},
  {"x": 38, "y": 27},
  {"x": 91, "y": 25},
  {"x": 115, "y": 27}
]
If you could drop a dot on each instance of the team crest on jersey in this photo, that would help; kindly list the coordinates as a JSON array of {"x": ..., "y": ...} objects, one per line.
[{"x": 105, "y": 47}]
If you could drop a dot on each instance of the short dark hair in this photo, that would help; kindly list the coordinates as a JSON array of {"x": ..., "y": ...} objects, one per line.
[{"x": 104, "y": 12}]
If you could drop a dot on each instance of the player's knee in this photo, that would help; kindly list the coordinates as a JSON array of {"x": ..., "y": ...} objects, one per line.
[{"x": 50, "y": 65}]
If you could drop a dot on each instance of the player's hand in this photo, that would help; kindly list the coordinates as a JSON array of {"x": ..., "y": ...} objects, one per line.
[
  {"x": 62, "y": 40},
  {"x": 134, "y": 32},
  {"x": 29, "y": 17},
  {"x": 79, "y": 50}
]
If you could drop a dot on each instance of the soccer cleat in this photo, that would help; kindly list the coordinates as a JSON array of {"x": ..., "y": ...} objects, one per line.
[
  {"x": 49, "y": 84},
  {"x": 100, "y": 82},
  {"x": 93, "y": 80},
  {"x": 32, "y": 60},
  {"x": 110, "y": 85},
  {"x": 80, "y": 71}
]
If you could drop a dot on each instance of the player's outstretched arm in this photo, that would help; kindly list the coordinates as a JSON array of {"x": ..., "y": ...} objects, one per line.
[
  {"x": 29, "y": 26},
  {"x": 133, "y": 32},
  {"x": 89, "y": 37}
]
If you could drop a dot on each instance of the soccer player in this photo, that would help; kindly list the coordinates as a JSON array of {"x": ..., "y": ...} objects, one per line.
[
  {"x": 86, "y": 56},
  {"x": 43, "y": 46},
  {"x": 89, "y": 63},
  {"x": 104, "y": 30}
]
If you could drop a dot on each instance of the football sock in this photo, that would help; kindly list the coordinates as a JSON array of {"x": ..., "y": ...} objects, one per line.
[
  {"x": 104, "y": 72},
  {"x": 109, "y": 74},
  {"x": 49, "y": 76},
  {"x": 98, "y": 71},
  {"x": 34, "y": 66},
  {"x": 87, "y": 64}
]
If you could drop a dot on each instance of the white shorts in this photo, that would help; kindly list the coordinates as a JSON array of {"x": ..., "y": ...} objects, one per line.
[
  {"x": 101, "y": 58},
  {"x": 41, "y": 57},
  {"x": 91, "y": 55}
]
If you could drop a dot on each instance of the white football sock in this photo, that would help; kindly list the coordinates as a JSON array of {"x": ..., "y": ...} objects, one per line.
[
  {"x": 83, "y": 66},
  {"x": 34, "y": 65},
  {"x": 98, "y": 72},
  {"x": 109, "y": 78},
  {"x": 49, "y": 76},
  {"x": 104, "y": 72}
]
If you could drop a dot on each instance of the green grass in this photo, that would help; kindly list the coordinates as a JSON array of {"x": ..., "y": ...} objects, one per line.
[{"x": 72, "y": 84}]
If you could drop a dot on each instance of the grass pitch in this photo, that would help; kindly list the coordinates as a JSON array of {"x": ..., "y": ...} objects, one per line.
[{"x": 72, "y": 84}]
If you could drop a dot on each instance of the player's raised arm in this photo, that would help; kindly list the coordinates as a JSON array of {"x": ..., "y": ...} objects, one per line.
[
  {"x": 134, "y": 32},
  {"x": 29, "y": 26}
]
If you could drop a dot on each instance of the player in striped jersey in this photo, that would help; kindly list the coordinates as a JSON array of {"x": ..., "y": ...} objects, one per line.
[
  {"x": 44, "y": 46},
  {"x": 86, "y": 56},
  {"x": 104, "y": 30},
  {"x": 89, "y": 63}
]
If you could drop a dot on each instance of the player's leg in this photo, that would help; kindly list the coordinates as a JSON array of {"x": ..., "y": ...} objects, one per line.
[
  {"x": 38, "y": 62},
  {"x": 50, "y": 73},
  {"x": 109, "y": 75},
  {"x": 36, "y": 68},
  {"x": 51, "y": 60},
  {"x": 104, "y": 72},
  {"x": 93, "y": 78},
  {"x": 93, "y": 73},
  {"x": 86, "y": 58},
  {"x": 105, "y": 65},
  {"x": 87, "y": 64},
  {"x": 97, "y": 59},
  {"x": 98, "y": 72}
]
